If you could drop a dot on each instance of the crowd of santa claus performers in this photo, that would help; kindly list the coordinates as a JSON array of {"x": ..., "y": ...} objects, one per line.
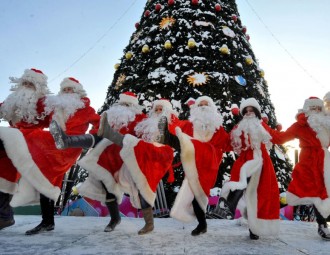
[{"x": 130, "y": 152}]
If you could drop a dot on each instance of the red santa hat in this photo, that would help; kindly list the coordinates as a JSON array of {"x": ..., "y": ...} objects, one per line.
[
  {"x": 35, "y": 76},
  {"x": 128, "y": 97},
  {"x": 73, "y": 83},
  {"x": 249, "y": 102},
  {"x": 190, "y": 102},
  {"x": 312, "y": 101}
]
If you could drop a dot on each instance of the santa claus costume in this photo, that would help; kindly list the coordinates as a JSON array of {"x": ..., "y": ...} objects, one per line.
[
  {"x": 41, "y": 165},
  {"x": 311, "y": 175},
  {"x": 23, "y": 109},
  {"x": 253, "y": 173},
  {"x": 203, "y": 141}
]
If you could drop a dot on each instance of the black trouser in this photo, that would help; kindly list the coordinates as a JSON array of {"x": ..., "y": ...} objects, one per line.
[
  {"x": 6, "y": 211},
  {"x": 233, "y": 199},
  {"x": 144, "y": 203},
  {"x": 200, "y": 214},
  {"x": 319, "y": 218},
  {"x": 47, "y": 209}
]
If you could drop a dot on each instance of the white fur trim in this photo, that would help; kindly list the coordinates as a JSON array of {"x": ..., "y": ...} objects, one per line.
[
  {"x": 25, "y": 195},
  {"x": 123, "y": 98},
  {"x": 249, "y": 102},
  {"x": 97, "y": 172},
  {"x": 205, "y": 98},
  {"x": 128, "y": 156},
  {"x": 190, "y": 168},
  {"x": 165, "y": 103},
  {"x": 18, "y": 151},
  {"x": 182, "y": 209},
  {"x": 8, "y": 186},
  {"x": 312, "y": 102},
  {"x": 93, "y": 189}
]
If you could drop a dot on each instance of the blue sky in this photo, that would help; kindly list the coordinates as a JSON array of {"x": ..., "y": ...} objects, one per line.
[{"x": 84, "y": 39}]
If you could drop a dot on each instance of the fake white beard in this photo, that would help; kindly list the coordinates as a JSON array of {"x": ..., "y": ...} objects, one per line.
[
  {"x": 148, "y": 128},
  {"x": 64, "y": 106},
  {"x": 320, "y": 124},
  {"x": 205, "y": 119},
  {"x": 120, "y": 116},
  {"x": 21, "y": 105},
  {"x": 254, "y": 134}
]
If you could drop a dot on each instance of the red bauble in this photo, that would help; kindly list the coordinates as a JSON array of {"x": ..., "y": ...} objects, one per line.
[
  {"x": 279, "y": 127},
  {"x": 194, "y": 2},
  {"x": 137, "y": 24},
  {"x": 158, "y": 7},
  {"x": 217, "y": 7},
  {"x": 235, "y": 111},
  {"x": 247, "y": 37},
  {"x": 234, "y": 17},
  {"x": 170, "y": 2},
  {"x": 147, "y": 13},
  {"x": 244, "y": 29}
]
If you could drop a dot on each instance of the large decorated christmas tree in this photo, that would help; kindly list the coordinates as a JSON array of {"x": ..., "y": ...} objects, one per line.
[{"x": 183, "y": 49}]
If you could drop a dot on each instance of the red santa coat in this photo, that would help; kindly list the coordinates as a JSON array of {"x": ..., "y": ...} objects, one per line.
[
  {"x": 262, "y": 194},
  {"x": 9, "y": 175},
  {"x": 201, "y": 161},
  {"x": 103, "y": 164},
  {"x": 40, "y": 164},
  {"x": 311, "y": 175}
]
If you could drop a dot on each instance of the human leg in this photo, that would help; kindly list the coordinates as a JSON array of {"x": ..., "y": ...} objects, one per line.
[
  {"x": 109, "y": 133},
  {"x": 113, "y": 208},
  {"x": 323, "y": 230},
  {"x": 6, "y": 211},
  {"x": 201, "y": 218},
  {"x": 147, "y": 215}
]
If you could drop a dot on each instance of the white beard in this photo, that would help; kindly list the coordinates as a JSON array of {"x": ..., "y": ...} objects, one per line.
[
  {"x": 120, "y": 116},
  {"x": 21, "y": 105},
  {"x": 254, "y": 134},
  {"x": 206, "y": 121},
  {"x": 320, "y": 123},
  {"x": 148, "y": 128},
  {"x": 63, "y": 106}
]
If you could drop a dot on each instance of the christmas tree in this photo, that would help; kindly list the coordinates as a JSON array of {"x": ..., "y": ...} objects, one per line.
[{"x": 184, "y": 49}]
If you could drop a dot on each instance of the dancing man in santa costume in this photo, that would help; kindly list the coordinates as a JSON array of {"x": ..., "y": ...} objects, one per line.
[
  {"x": 311, "y": 175},
  {"x": 253, "y": 174},
  {"x": 24, "y": 110},
  {"x": 41, "y": 165},
  {"x": 126, "y": 164},
  {"x": 201, "y": 141}
]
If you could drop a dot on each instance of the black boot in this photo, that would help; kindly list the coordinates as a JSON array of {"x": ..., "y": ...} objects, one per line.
[
  {"x": 63, "y": 141},
  {"x": 108, "y": 132},
  {"x": 47, "y": 211},
  {"x": 113, "y": 209},
  {"x": 166, "y": 137},
  {"x": 6, "y": 211},
  {"x": 200, "y": 215},
  {"x": 253, "y": 236},
  {"x": 322, "y": 229}
]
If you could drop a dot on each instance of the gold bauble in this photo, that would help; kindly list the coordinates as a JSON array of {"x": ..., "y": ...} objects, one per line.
[
  {"x": 129, "y": 55},
  {"x": 167, "y": 45},
  {"x": 145, "y": 49},
  {"x": 249, "y": 61},
  {"x": 224, "y": 50},
  {"x": 116, "y": 66},
  {"x": 191, "y": 43},
  {"x": 262, "y": 73}
]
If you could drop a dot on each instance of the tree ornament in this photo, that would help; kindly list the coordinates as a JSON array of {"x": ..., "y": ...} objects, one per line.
[
  {"x": 191, "y": 43},
  {"x": 168, "y": 45},
  {"x": 120, "y": 81},
  {"x": 224, "y": 49},
  {"x": 234, "y": 109},
  {"x": 244, "y": 29},
  {"x": 194, "y": 2},
  {"x": 217, "y": 7},
  {"x": 249, "y": 60},
  {"x": 247, "y": 37},
  {"x": 198, "y": 79},
  {"x": 158, "y": 7},
  {"x": 128, "y": 55},
  {"x": 145, "y": 48},
  {"x": 234, "y": 17},
  {"x": 170, "y": 2},
  {"x": 147, "y": 13},
  {"x": 116, "y": 66},
  {"x": 228, "y": 32},
  {"x": 166, "y": 23},
  {"x": 262, "y": 73},
  {"x": 137, "y": 24},
  {"x": 279, "y": 127},
  {"x": 240, "y": 80}
]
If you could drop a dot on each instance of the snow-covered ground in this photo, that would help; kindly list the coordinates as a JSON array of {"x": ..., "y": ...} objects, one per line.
[{"x": 84, "y": 235}]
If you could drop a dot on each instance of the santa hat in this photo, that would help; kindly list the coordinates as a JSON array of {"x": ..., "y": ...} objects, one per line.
[
  {"x": 249, "y": 102},
  {"x": 128, "y": 97},
  {"x": 312, "y": 101},
  {"x": 190, "y": 102},
  {"x": 163, "y": 102},
  {"x": 326, "y": 98},
  {"x": 35, "y": 76},
  {"x": 73, "y": 83},
  {"x": 205, "y": 98}
]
